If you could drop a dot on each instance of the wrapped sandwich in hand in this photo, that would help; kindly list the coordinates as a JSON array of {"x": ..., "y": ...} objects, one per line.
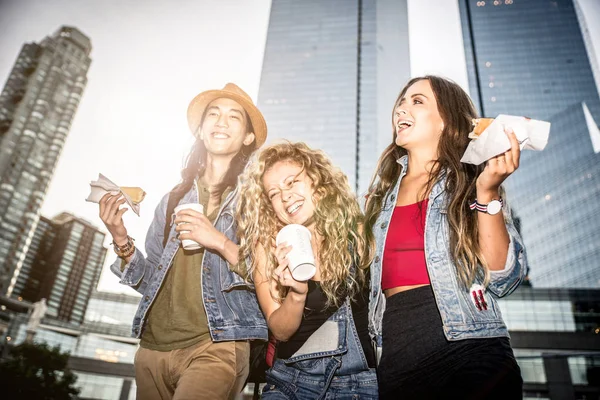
[
  {"x": 479, "y": 125},
  {"x": 136, "y": 194},
  {"x": 488, "y": 138},
  {"x": 102, "y": 186}
]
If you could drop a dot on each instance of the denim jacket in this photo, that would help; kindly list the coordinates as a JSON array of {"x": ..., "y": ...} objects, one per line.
[
  {"x": 230, "y": 302},
  {"x": 460, "y": 316}
]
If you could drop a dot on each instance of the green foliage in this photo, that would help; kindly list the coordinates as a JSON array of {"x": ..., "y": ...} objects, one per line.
[{"x": 37, "y": 372}]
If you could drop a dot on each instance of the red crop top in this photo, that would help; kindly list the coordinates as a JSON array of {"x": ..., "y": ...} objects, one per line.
[{"x": 404, "y": 253}]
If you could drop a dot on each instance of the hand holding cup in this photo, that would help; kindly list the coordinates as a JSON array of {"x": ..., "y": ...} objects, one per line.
[
  {"x": 301, "y": 257},
  {"x": 195, "y": 229},
  {"x": 282, "y": 273}
]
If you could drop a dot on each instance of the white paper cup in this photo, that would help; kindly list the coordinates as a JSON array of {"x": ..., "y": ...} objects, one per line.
[
  {"x": 189, "y": 244},
  {"x": 302, "y": 259}
]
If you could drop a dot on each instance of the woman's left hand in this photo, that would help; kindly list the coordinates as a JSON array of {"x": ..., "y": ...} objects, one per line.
[
  {"x": 498, "y": 168},
  {"x": 197, "y": 227},
  {"x": 283, "y": 274}
]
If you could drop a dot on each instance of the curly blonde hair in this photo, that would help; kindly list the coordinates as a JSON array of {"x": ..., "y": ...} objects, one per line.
[{"x": 337, "y": 220}]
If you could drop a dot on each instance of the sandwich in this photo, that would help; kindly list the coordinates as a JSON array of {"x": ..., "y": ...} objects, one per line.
[
  {"x": 136, "y": 194},
  {"x": 480, "y": 125}
]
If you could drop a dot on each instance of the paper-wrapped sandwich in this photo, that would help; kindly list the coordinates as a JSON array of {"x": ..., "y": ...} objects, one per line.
[
  {"x": 137, "y": 194},
  {"x": 133, "y": 195},
  {"x": 479, "y": 125},
  {"x": 489, "y": 138}
]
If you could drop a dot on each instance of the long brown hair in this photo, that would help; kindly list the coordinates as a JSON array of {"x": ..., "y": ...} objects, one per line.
[
  {"x": 195, "y": 164},
  {"x": 457, "y": 111}
]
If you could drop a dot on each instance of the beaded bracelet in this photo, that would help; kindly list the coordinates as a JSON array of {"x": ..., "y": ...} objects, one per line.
[
  {"x": 126, "y": 250},
  {"x": 129, "y": 253}
]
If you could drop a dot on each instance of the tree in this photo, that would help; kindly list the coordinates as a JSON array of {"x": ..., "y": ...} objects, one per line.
[{"x": 37, "y": 372}]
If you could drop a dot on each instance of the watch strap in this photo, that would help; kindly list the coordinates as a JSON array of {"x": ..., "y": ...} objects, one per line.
[{"x": 483, "y": 207}]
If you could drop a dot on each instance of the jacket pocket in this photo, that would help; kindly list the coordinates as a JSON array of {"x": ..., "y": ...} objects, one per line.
[{"x": 231, "y": 280}]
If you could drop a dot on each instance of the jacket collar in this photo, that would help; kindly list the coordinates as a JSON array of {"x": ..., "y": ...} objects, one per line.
[{"x": 438, "y": 187}]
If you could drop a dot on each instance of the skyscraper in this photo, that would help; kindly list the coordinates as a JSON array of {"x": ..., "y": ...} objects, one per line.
[
  {"x": 64, "y": 266},
  {"x": 529, "y": 58},
  {"x": 331, "y": 73},
  {"x": 37, "y": 106},
  {"x": 32, "y": 271}
]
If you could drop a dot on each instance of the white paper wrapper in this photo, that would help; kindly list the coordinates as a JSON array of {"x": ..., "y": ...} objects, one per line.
[
  {"x": 532, "y": 135},
  {"x": 104, "y": 185}
]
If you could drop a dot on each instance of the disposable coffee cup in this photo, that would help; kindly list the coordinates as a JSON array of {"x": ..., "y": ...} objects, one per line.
[
  {"x": 189, "y": 244},
  {"x": 301, "y": 257}
]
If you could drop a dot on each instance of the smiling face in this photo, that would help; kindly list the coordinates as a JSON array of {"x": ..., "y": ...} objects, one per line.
[
  {"x": 224, "y": 127},
  {"x": 417, "y": 120},
  {"x": 290, "y": 192}
]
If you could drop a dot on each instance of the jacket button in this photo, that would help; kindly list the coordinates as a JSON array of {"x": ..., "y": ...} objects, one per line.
[
  {"x": 377, "y": 259},
  {"x": 393, "y": 197},
  {"x": 159, "y": 267},
  {"x": 383, "y": 225},
  {"x": 147, "y": 298},
  {"x": 136, "y": 331}
]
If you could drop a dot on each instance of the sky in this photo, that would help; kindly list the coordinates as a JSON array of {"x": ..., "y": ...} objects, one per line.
[{"x": 150, "y": 58}]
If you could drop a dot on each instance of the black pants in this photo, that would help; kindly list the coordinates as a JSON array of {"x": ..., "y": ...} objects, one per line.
[{"x": 419, "y": 363}]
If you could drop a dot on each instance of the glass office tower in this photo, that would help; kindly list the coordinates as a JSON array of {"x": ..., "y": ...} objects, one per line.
[
  {"x": 529, "y": 58},
  {"x": 331, "y": 73},
  {"x": 62, "y": 266},
  {"x": 37, "y": 105}
]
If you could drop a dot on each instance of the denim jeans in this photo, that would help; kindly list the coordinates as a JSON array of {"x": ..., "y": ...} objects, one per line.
[
  {"x": 330, "y": 365},
  {"x": 284, "y": 383}
]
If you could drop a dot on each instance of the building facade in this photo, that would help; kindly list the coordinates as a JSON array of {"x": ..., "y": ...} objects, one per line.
[
  {"x": 555, "y": 335},
  {"x": 41, "y": 243},
  {"x": 37, "y": 105},
  {"x": 101, "y": 348},
  {"x": 331, "y": 73},
  {"x": 529, "y": 58},
  {"x": 63, "y": 266}
]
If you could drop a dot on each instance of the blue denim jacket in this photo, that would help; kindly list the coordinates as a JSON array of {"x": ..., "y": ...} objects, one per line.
[
  {"x": 230, "y": 302},
  {"x": 460, "y": 316}
]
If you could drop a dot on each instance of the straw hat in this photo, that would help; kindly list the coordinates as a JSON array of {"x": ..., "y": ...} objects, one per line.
[{"x": 233, "y": 92}]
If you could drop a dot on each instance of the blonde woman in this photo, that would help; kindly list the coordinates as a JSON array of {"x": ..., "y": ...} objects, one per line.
[
  {"x": 321, "y": 324},
  {"x": 444, "y": 250}
]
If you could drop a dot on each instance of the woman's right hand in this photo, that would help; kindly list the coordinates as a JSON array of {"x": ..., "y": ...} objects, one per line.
[
  {"x": 112, "y": 217},
  {"x": 282, "y": 273}
]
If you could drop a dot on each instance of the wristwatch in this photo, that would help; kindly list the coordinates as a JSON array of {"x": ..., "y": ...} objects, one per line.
[{"x": 492, "y": 208}]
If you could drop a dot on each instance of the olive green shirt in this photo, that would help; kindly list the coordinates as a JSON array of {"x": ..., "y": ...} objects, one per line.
[{"x": 177, "y": 318}]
